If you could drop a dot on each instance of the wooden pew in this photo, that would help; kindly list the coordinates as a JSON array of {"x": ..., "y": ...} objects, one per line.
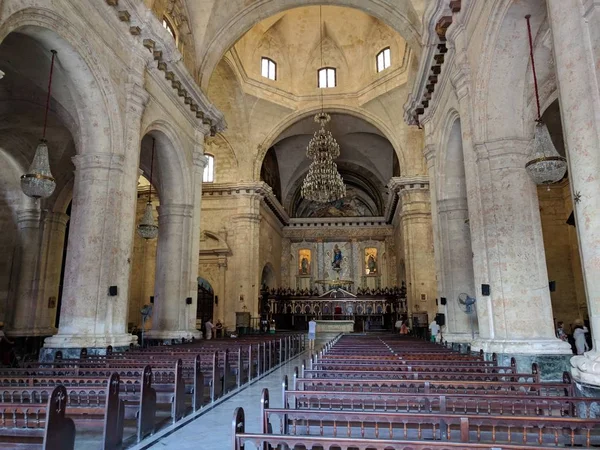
[
  {"x": 33, "y": 426},
  {"x": 95, "y": 408}
]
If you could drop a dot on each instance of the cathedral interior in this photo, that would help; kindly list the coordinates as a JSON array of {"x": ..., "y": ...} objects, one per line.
[{"x": 261, "y": 164}]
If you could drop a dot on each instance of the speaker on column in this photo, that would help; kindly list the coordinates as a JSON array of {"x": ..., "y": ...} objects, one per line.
[
  {"x": 216, "y": 299},
  {"x": 440, "y": 318},
  {"x": 485, "y": 289},
  {"x": 188, "y": 301},
  {"x": 152, "y": 299},
  {"x": 552, "y": 286},
  {"x": 443, "y": 301},
  {"x": 112, "y": 291}
]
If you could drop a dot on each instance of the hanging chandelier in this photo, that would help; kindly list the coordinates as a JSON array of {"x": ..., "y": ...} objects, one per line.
[
  {"x": 545, "y": 165},
  {"x": 38, "y": 182},
  {"x": 323, "y": 182},
  {"x": 148, "y": 229}
]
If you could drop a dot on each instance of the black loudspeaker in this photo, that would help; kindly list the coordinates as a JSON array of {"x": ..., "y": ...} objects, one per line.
[
  {"x": 552, "y": 286},
  {"x": 216, "y": 299},
  {"x": 188, "y": 301},
  {"x": 152, "y": 299},
  {"x": 440, "y": 318},
  {"x": 485, "y": 289},
  {"x": 443, "y": 300},
  {"x": 112, "y": 291}
]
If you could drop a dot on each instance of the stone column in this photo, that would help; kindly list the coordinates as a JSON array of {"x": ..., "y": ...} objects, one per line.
[
  {"x": 519, "y": 302},
  {"x": 455, "y": 239},
  {"x": 55, "y": 225},
  {"x": 27, "y": 307},
  {"x": 90, "y": 317},
  {"x": 429, "y": 153},
  {"x": 219, "y": 309},
  {"x": 170, "y": 320},
  {"x": 417, "y": 236},
  {"x": 576, "y": 36}
]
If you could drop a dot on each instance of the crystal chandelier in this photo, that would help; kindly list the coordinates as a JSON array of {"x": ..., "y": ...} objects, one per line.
[
  {"x": 545, "y": 165},
  {"x": 323, "y": 183},
  {"x": 148, "y": 229},
  {"x": 38, "y": 182}
]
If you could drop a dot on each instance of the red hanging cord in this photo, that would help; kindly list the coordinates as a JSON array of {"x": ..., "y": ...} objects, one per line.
[
  {"x": 151, "y": 167},
  {"x": 49, "y": 92},
  {"x": 535, "y": 83}
]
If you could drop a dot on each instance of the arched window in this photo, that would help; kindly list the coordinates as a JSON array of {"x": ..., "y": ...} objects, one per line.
[
  {"x": 209, "y": 171},
  {"x": 327, "y": 77},
  {"x": 384, "y": 59},
  {"x": 268, "y": 68},
  {"x": 169, "y": 27}
]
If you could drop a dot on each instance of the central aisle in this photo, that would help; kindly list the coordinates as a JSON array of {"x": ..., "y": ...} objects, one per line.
[{"x": 212, "y": 431}]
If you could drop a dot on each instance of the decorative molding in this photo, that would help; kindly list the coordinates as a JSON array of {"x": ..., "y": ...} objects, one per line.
[
  {"x": 432, "y": 59},
  {"x": 148, "y": 30}
]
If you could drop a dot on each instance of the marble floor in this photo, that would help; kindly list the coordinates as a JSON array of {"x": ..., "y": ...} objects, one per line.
[{"x": 212, "y": 430}]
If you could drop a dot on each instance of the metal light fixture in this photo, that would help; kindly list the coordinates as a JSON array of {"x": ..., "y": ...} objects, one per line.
[
  {"x": 545, "y": 165},
  {"x": 323, "y": 183},
  {"x": 38, "y": 182},
  {"x": 148, "y": 229}
]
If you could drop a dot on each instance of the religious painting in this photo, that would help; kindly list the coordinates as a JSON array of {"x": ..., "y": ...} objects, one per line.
[
  {"x": 371, "y": 261},
  {"x": 304, "y": 260}
]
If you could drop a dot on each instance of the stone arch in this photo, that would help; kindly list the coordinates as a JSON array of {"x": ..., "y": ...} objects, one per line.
[
  {"x": 172, "y": 177},
  {"x": 342, "y": 109},
  {"x": 268, "y": 276},
  {"x": 500, "y": 87},
  {"x": 401, "y": 17},
  {"x": 76, "y": 56}
]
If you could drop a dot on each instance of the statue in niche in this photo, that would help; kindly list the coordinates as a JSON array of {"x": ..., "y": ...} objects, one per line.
[
  {"x": 336, "y": 264},
  {"x": 372, "y": 264},
  {"x": 304, "y": 266}
]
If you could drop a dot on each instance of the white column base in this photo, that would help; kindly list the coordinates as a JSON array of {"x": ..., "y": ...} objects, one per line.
[
  {"x": 459, "y": 338},
  {"x": 47, "y": 331},
  {"x": 551, "y": 346},
  {"x": 89, "y": 341},
  {"x": 172, "y": 334},
  {"x": 586, "y": 368}
]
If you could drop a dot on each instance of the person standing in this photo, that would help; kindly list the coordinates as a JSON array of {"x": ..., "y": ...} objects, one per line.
[
  {"x": 209, "y": 329},
  {"x": 435, "y": 329},
  {"x": 579, "y": 336},
  {"x": 312, "y": 332}
]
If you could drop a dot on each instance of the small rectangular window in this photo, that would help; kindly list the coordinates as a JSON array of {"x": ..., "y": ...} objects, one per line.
[
  {"x": 268, "y": 68},
  {"x": 209, "y": 171},
  {"x": 384, "y": 59},
  {"x": 327, "y": 77}
]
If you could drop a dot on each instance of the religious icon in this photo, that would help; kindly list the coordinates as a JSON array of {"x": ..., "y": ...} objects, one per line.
[
  {"x": 304, "y": 261},
  {"x": 336, "y": 264},
  {"x": 370, "y": 261}
]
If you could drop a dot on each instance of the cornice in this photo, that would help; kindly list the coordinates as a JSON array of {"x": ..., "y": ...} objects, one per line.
[
  {"x": 146, "y": 27},
  {"x": 435, "y": 48}
]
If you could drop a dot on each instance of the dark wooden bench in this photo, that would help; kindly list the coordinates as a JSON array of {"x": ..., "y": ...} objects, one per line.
[
  {"x": 95, "y": 408},
  {"x": 37, "y": 425}
]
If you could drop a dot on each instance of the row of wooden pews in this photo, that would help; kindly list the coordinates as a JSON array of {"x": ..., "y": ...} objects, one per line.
[
  {"x": 119, "y": 398},
  {"x": 384, "y": 392}
]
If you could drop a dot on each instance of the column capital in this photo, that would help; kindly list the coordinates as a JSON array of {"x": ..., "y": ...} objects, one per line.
[
  {"x": 200, "y": 160},
  {"x": 26, "y": 218},
  {"x": 416, "y": 182},
  {"x": 452, "y": 204},
  {"x": 504, "y": 153},
  {"x": 174, "y": 210},
  {"x": 460, "y": 77},
  {"x": 58, "y": 218},
  {"x": 108, "y": 161},
  {"x": 429, "y": 153},
  {"x": 137, "y": 96}
]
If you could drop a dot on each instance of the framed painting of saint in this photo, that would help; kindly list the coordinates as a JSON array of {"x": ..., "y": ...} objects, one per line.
[
  {"x": 371, "y": 261},
  {"x": 304, "y": 261}
]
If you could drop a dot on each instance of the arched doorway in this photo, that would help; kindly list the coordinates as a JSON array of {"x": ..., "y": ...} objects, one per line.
[{"x": 206, "y": 300}]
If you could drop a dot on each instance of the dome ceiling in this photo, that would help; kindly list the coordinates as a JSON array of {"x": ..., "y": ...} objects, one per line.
[
  {"x": 351, "y": 41},
  {"x": 367, "y": 162}
]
